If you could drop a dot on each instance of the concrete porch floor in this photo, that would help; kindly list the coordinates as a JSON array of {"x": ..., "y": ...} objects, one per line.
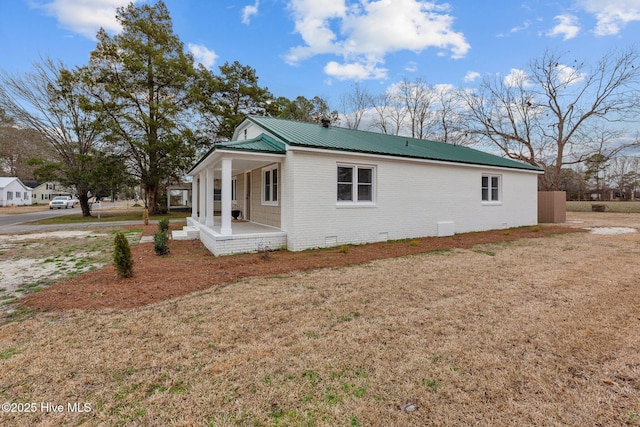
[
  {"x": 246, "y": 236},
  {"x": 245, "y": 227}
]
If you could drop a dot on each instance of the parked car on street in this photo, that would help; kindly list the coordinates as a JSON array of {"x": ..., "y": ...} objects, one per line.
[{"x": 60, "y": 202}]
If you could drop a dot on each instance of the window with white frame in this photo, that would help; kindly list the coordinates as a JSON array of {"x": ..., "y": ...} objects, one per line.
[
  {"x": 491, "y": 188},
  {"x": 270, "y": 185},
  {"x": 9, "y": 195},
  {"x": 355, "y": 184}
]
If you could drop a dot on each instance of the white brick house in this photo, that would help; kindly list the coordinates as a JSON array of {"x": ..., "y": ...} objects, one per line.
[
  {"x": 301, "y": 185},
  {"x": 13, "y": 192}
]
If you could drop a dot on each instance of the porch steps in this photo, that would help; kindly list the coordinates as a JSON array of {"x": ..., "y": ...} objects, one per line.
[{"x": 187, "y": 233}]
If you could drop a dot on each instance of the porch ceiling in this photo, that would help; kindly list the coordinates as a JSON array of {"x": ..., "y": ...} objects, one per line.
[
  {"x": 240, "y": 162},
  {"x": 239, "y": 166}
]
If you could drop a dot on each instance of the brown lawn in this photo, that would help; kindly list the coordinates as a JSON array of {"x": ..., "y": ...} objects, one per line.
[
  {"x": 190, "y": 267},
  {"x": 501, "y": 330}
]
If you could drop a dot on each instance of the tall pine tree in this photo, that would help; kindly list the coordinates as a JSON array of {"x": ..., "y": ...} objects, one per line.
[{"x": 142, "y": 80}]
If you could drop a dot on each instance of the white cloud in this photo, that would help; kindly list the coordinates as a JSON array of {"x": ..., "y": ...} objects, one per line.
[
  {"x": 364, "y": 32},
  {"x": 411, "y": 67},
  {"x": 471, "y": 76},
  {"x": 567, "y": 27},
  {"x": 522, "y": 27},
  {"x": 84, "y": 16},
  {"x": 202, "y": 55},
  {"x": 568, "y": 75},
  {"x": 516, "y": 77},
  {"x": 561, "y": 75},
  {"x": 355, "y": 71},
  {"x": 612, "y": 15},
  {"x": 249, "y": 11}
]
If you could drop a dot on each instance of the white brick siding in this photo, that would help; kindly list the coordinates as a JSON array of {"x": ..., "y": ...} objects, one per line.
[{"x": 411, "y": 198}]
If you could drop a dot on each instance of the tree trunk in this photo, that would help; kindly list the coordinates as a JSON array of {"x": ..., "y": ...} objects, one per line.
[
  {"x": 84, "y": 205},
  {"x": 152, "y": 198},
  {"x": 84, "y": 202}
]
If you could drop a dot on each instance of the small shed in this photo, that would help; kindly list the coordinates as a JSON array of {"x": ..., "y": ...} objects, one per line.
[{"x": 179, "y": 196}]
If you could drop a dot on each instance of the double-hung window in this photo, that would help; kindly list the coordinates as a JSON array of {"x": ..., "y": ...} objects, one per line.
[
  {"x": 491, "y": 188},
  {"x": 355, "y": 184},
  {"x": 270, "y": 185}
]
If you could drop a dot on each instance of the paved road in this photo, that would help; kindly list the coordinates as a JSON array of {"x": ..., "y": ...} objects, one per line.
[
  {"x": 9, "y": 220},
  {"x": 19, "y": 223}
]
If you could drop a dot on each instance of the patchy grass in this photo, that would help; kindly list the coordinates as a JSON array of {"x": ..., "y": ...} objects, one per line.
[
  {"x": 108, "y": 216},
  {"x": 533, "y": 334},
  {"x": 619, "y": 207}
]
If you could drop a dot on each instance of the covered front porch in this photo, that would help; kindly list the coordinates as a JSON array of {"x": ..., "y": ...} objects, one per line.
[
  {"x": 246, "y": 237},
  {"x": 240, "y": 177}
]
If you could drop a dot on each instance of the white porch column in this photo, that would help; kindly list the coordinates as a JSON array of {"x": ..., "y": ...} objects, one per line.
[
  {"x": 225, "y": 195},
  {"x": 202, "y": 192},
  {"x": 194, "y": 197},
  {"x": 210, "y": 207}
]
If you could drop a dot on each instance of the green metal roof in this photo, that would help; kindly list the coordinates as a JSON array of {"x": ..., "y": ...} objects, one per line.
[
  {"x": 341, "y": 139},
  {"x": 260, "y": 144}
]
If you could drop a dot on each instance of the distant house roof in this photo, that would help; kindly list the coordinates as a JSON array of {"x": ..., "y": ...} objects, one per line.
[
  {"x": 5, "y": 181},
  {"x": 311, "y": 135}
]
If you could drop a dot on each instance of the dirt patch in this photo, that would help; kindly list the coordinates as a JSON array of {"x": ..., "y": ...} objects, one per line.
[
  {"x": 12, "y": 210},
  {"x": 612, "y": 230},
  {"x": 66, "y": 234},
  {"x": 190, "y": 267},
  {"x": 32, "y": 260}
]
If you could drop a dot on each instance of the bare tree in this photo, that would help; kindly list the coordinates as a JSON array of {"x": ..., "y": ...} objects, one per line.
[
  {"x": 17, "y": 146},
  {"x": 624, "y": 174},
  {"x": 50, "y": 100},
  {"x": 545, "y": 116},
  {"x": 390, "y": 114},
  {"x": 447, "y": 110},
  {"x": 355, "y": 105},
  {"x": 417, "y": 96}
]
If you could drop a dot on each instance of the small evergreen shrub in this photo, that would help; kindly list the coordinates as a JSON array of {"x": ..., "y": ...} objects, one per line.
[
  {"x": 122, "y": 256},
  {"x": 163, "y": 225},
  {"x": 161, "y": 243}
]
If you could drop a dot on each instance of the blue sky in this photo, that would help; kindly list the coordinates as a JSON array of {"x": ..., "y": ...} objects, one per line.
[{"x": 321, "y": 47}]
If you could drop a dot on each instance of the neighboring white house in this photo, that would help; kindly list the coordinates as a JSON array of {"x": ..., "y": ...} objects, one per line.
[
  {"x": 14, "y": 193},
  {"x": 46, "y": 191},
  {"x": 301, "y": 185}
]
